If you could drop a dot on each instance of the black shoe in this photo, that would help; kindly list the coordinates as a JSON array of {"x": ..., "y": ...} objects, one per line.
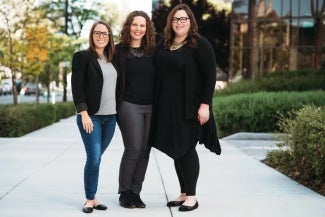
[
  {"x": 184, "y": 208},
  {"x": 137, "y": 201},
  {"x": 87, "y": 209},
  {"x": 100, "y": 207},
  {"x": 126, "y": 200},
  {"x": 175, "y": 203}
]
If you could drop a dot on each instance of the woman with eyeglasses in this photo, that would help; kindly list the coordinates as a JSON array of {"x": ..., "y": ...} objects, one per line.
[
  {"x": 134, "y": 57},
  {"x": 93, "y": 83},
  {"x": 182, "y": 107}
]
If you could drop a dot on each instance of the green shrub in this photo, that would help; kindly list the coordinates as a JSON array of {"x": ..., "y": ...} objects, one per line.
[
  {"x": 280, "y": 160},
  {"x": 259, "y": 112},
  {"x": 306, "y": 142},
  {"x": 17, "y": 120},
  {"x": 302, "y": 80}
]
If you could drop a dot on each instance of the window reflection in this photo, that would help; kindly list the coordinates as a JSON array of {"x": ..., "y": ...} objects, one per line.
[{"x": 287, "y": 35}]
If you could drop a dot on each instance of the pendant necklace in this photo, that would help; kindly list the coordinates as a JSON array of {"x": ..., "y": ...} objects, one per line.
[{"x": 176, "y": 45}]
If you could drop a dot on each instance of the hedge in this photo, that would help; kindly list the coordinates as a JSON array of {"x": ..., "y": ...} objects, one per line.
[
  {"x": 18, "y": 120},
  {"x": 259, "y": 112}
]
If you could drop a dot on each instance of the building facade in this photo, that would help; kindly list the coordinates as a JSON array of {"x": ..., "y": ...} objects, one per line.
[{"x": 276, "y": 35}]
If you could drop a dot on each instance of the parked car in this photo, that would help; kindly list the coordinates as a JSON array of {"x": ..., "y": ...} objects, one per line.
[
  {"x": 5, "y": 87},
  {"x": 30, "y": 88}
]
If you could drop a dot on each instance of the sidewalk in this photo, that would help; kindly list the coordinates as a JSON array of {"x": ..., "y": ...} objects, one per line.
[{"x": 42, "y": 176}]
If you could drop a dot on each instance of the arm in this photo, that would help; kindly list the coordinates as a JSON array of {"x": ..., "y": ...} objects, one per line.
[
  {"x": 207, "y": 62},
  {"x": 79, "y": 67}
]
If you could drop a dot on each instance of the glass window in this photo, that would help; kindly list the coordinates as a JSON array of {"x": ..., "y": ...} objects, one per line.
[
  {"x": 240, "y": 6},
  {"x": 305, "y": 10},
  {"x": 295, "y": 8}
]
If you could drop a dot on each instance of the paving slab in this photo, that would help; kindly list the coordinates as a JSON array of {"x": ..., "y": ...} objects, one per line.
[{"x": 42, "y": 176}]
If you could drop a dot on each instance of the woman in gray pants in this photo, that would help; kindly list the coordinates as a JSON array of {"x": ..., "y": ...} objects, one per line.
[{"x": 134, "y": 57}]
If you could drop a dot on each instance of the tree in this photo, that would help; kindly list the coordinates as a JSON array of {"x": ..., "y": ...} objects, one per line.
[
  {"x": 37, "y": 52},
  {"x": 12, "y": 36},
  {"x": 69, "y": 16},
  {"x": 213, "y": 24}
]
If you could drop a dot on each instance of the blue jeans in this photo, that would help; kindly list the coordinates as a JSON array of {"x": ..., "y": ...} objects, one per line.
[{"x": 95, "y": 144}]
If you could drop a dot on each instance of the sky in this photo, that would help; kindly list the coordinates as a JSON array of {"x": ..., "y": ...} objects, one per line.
[{"x": 144, "y": 5}]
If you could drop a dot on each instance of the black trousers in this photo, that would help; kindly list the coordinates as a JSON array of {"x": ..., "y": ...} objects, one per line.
[
  {"x": 187, "y": 169},
  {"x": 134, "y": 122}
]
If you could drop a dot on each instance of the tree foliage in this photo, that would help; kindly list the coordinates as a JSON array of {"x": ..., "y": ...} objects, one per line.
[
  {"x": 12, "y": 37},
  {"x": 69, "y": 16},
  {"x": 213, "y": 24}
]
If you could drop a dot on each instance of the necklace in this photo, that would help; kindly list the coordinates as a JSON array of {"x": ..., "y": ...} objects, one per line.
[
  {"x": 136, "y": 52},
  {"x": 176, "y": 45},
  {"x": 102, "y": 58}
]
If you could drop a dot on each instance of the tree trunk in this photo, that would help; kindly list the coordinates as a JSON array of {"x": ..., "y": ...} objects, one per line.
[{"x": 252, "y": 52}]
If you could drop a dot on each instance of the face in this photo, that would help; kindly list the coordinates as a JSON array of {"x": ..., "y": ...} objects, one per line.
[
  {"x": 180, "y": 24},
  {"x": 138, "y": 28},
  {"x": 100, "y": 36}
]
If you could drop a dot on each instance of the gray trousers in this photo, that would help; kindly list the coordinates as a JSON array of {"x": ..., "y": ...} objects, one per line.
[{"x": 134, "y": 123}]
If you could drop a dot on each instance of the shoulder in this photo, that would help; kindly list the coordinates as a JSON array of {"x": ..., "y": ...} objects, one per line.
[
  {"x": 204, "y": 46},
  {"x": 119, "y": 49},
  {"x": 203, "y": 41},
  {"x": 81, "y": 54}
]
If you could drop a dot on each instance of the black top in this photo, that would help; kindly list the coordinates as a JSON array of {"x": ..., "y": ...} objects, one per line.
[
  {"x": 137, "y": 75},
  {"x": 185, "y": 78},
  {"x": 139, "y": 79}
]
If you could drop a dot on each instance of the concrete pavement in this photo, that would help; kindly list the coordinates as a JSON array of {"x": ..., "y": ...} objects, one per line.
[{"x": 42, "y": 176}]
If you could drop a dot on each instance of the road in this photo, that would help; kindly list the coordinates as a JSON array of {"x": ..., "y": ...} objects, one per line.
[{"x": 8, "y": 99}]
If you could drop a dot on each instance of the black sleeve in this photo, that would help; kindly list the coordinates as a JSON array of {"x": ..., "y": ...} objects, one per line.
[
  {"x": 208, "y": 68},
  {"x": 79, "y": 70}
]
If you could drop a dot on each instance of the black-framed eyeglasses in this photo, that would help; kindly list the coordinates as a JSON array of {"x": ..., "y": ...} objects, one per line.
[
  {"x": 99, "y": 33},
  {"x": 180, "y": 19}
]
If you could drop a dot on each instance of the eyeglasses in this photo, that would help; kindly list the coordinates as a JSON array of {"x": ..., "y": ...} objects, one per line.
[
  {"x": 98, "y": 34},
  {"x": 181, "y": 19}
]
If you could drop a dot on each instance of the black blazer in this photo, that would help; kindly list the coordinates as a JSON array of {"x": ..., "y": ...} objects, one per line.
[
  {"x": 86, "y": 81},
  {"x": 120, "y": 59}
]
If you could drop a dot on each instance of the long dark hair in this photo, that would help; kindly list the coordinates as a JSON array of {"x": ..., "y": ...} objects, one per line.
[
  {"x": 148, "y": 40},
  {"x": 110, "y": 48},
  {"x": 193, "y": 33}
]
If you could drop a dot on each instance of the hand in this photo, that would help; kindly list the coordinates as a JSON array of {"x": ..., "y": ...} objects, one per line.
[
  {"x": 86, "y": 122},
  {"x": 203, "y": 113}
]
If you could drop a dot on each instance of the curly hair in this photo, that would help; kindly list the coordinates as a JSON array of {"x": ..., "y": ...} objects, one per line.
[
  {"x": 193, "y": 33},
  {"x": 148, "y": 40},
  {"x": 110, "y": 48}
]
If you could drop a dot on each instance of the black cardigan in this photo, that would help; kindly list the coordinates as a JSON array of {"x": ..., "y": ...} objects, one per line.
[
  {"x": 86, "y": 81},
  {"x": 200, "y": 78}
]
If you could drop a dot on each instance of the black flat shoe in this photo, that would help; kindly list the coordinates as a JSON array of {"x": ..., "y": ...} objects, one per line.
[
  {"x": 100, "y": 207},
  {"x": 126, "y": 200},
  {"x": 137, "y": 201},
  {"x": 175, "y": 203},
  {"x": 184, "y": 208},
  {"x": 87, "y": 209}
]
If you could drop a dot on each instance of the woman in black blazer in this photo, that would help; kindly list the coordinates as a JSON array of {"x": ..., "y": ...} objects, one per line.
[{"x": 93, "y": 82}]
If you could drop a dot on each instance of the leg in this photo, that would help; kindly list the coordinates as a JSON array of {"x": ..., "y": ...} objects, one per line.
[
  {"x": 92, "y": 144},
  {"x": 181, "y": 198},
  {"x": 108, "y": 129},
  {"x": 189, "y": 168},
  {"x": 142, "y": 164},
  {"x": 131, "y": 124},
  {"x": 94, "y": 149}
]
